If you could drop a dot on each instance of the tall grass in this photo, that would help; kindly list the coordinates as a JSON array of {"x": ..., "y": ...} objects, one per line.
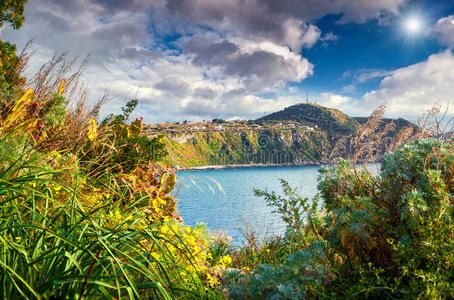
[{"x": 51, "y": 246}]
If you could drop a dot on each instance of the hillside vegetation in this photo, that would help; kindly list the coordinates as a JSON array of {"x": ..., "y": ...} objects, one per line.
[
  {"x": 326, "y": 119},
  {"x": 300, "y": 134},
  {"x": 251, "y": 146}
]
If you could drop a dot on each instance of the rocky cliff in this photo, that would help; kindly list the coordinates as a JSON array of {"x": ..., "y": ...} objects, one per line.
[{"x": 254, "y": 146}]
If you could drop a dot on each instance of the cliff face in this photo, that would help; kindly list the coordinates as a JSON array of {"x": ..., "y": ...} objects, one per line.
[{"x": 239, "y": 146}]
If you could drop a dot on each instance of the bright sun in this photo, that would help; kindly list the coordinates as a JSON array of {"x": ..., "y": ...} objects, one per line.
[{"x": 413, "y": 24}]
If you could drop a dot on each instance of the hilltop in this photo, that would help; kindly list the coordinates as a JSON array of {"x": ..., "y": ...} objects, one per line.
[{"x": 316, "y": 116}]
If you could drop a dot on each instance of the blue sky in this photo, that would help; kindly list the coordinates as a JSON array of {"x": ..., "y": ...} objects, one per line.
[
  {"x": 373, "y": 47},
  {"x": 204, "y": 59}
]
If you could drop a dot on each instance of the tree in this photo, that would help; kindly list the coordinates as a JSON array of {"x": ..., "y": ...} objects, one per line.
[
  {"x": 218, "y": 121},
  {"x": 129, "y": 108},
  {"x": 12, "y": 11}
]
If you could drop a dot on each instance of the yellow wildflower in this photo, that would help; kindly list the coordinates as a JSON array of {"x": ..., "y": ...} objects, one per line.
[
  {"x": 225, "y": 261},
  {"x": 92, "y": 129},
  {"x": 61, "y": 89},
  {"x": 18, "y": 109},
  {"x": 211, "y": 281}
]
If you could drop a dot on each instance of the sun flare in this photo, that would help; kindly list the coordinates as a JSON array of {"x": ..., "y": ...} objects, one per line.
[{"x": 413, "y": 24}]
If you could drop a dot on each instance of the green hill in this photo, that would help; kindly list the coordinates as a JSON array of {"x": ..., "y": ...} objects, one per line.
[{"x": 323, "y": 118}]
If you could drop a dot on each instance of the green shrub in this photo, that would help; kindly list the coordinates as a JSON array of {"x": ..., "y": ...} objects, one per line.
[
  {"x": 300, "y": 276},
  {"x": 132, "y": 148},
  {"x": 392, "y": 231},
  {"x": 294, "y": 209},
  {"x": 378, "y": 236}
]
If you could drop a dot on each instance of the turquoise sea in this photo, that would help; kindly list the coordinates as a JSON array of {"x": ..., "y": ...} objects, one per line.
[{"x": 224, "y": 198}]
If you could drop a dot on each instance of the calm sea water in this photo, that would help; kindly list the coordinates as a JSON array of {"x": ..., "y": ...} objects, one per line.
[{"x": 224, "y": 199}]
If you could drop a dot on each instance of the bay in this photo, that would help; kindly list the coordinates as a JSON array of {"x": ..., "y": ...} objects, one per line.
[{"x": 224, "y": 199}]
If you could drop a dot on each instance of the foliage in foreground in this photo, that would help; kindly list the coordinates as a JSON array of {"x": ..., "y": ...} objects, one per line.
[
  {"x": 71, "y": 228},
  {"x": 378, "y": 236},
  {"x": 86, "y": 210},
  {"x": 61, "y": 249}
]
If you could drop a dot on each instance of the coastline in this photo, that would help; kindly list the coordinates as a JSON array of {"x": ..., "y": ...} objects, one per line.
[
  {"x": 240, "y": 166},
  {"x": 237, "y": 166}
]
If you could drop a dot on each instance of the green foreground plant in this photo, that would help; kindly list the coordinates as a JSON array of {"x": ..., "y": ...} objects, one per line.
[
  {"x": 376, "y": 236},
  {"x": 55, "y": 248}
]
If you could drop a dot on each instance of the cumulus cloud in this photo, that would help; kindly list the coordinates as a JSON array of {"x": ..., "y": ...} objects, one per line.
[
  {"x": 224, "y": 55},
  {"x": 106, "y": 8},
  {"x": 407, "y": 92},
  {"x": 205, "y": 93},
  {"x": 284, "y": 21},
  {"x": 328, "y": 38},
  {"x": 210, "y": 53},
  {"x": 334, "y": 100},
  {"x": 138, "y": 54},
  {"x": 254, "y": 64},
  {"x": 412, "y": 90},
  {"x": 245, "y": 18},
  {"x": 83, "y": 27},
  {"x": 174, "y": 85},
  {"x": 444, "y": 30}
]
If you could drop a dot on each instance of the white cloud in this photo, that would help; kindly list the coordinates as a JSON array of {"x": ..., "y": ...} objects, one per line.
[
  {"x": 328, "y": 37},
  {"x": 407, "y": 92},
  {"x": 243, "y": 49},
  {"x": 333, "y": 100},
  {"x": 310, "y": 36},
  {"x": 444, "y": 30},
  {"x": 351, "y": 88},
  {"x": 410, "y": 91}
]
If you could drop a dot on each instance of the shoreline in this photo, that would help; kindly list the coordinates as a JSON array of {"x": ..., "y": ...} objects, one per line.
[{"x": 240, "y": 166}]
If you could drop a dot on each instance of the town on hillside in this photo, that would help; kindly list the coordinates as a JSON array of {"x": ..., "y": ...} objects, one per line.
[{"x": 220, "y": 125}]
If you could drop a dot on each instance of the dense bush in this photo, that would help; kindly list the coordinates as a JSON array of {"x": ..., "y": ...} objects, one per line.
[
  {"x": 132, "y": 148},
  {"x": 378, "y": 236},
  {"x": 53, "y": 245}
]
